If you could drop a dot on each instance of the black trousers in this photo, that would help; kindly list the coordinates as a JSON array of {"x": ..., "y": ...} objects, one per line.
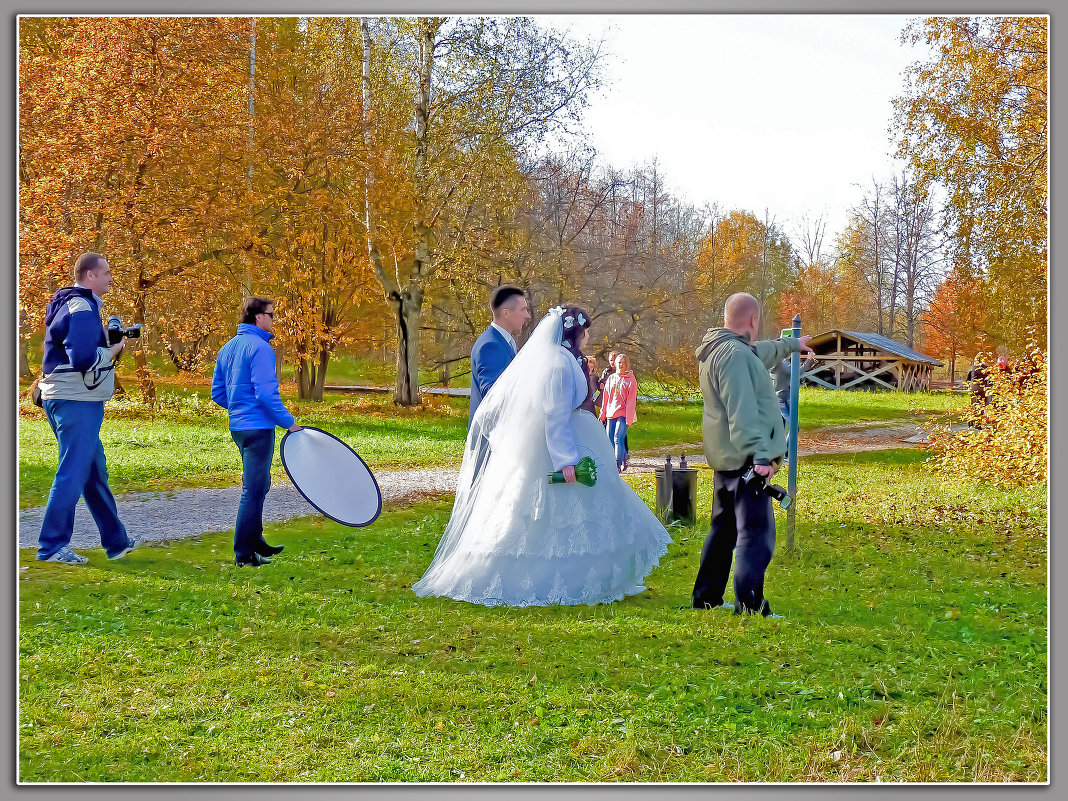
[{"x": 743, "y": 529}]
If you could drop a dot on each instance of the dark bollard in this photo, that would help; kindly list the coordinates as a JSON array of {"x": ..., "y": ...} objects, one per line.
[
  {"x": 664, "y": 488},
  {"x": 676, "y": 492},
  {"x": 684, "y": 495}
]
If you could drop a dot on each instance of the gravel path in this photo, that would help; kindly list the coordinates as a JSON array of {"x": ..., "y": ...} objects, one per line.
[{"x": 160, "y": 516}]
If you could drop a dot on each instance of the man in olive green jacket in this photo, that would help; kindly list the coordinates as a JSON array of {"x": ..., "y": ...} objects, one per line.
[{"x": 743, "y": 428}]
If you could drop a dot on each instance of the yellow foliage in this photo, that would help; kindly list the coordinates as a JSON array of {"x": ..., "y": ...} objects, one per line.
[
  {"x": 975, "y": 118},
  {"x": 1008, "y": 438},
  {"x": 675, "y": 370}
]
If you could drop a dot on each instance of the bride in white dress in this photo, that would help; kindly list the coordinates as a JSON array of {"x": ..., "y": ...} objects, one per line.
[{"x": 514, "y": 539}]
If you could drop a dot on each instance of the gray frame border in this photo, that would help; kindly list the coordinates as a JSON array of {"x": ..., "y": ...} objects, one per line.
[{"x": 1059, "y": 434}]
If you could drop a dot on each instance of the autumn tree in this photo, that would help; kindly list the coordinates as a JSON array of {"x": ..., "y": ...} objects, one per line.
[
  {"x": 616, "y": 242},
  {"x": 825, "y": 295},
  {"x": 728, "y": 255},
  {"x": 475, "y": 91},
  {"x": 307, "y": 241},
  {"x": 1007, "y": 439},
  {"x": 974, "y": 118},
  {"x": 893, "y": 246},
  {"x": 822, "y": 289},
  {"x": 954, "y": 324},
  {"x": 131, "y": 144},
  {"x": 863, "y": 249},
  {"x": 918, "y": 248},
  {"x": 777, "y": 260}
]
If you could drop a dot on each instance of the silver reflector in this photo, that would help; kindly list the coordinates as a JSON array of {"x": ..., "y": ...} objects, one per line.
[{"x": 331, "y": 476}]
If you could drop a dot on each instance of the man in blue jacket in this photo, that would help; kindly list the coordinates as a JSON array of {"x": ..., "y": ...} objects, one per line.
[
  {"x": 495, "y": 347},
  {"x": 78, "y": 377},
  {"x": 245, "y": 384}
]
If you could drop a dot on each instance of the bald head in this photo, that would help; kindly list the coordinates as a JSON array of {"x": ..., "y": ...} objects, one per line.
[{"x": 739, "y": 312}]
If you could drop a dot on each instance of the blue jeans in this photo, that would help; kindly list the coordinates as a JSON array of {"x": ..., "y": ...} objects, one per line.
[
  {"x": 784, "y": 407},
  {"x": 257, "y": 450},
  {"x": 617, "y": 434},
  {"x": 81, "y": 471}
]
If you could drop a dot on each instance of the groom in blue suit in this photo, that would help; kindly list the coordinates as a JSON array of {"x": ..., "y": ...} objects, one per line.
[{"x": 495, "y": 347}]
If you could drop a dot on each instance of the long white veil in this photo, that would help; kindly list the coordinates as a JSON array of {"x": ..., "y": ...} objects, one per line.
[{"x": 506, "y": 442}]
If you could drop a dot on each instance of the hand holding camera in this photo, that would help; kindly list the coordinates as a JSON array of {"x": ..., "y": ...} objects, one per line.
[
  {"x": 756, "y": 479},
  {"x": 764, "y": 470},
  {"x": 117, "y": 334}
]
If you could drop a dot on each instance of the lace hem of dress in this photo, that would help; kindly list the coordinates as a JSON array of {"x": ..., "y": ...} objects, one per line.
[{"x": 593, "y": 590}]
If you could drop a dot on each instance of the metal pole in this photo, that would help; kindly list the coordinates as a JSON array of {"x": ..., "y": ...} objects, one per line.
[{"x": 795, "y": 384}]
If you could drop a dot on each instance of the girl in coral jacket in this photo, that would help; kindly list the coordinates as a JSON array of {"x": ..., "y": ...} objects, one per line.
[{"x": 618, "y": 409}]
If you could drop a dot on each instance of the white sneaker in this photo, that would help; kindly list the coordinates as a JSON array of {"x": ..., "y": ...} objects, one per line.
[
  {"x": 133, "y": 543},
  {"x": 66, "y": 556}
]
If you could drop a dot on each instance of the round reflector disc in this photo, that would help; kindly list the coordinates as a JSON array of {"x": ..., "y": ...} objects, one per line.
[{"x": 331, "y": 476}]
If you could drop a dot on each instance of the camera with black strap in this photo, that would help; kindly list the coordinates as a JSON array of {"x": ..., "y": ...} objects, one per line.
[{"x": 759, "y": 483}]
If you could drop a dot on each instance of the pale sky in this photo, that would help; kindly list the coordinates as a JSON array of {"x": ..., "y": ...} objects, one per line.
[{"x": 786, "y": 112}]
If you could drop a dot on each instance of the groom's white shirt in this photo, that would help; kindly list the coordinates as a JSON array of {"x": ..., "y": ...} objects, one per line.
[{"x": 507, "y": 337}]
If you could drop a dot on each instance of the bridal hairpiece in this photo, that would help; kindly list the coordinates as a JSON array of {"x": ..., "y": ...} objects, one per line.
[
  {"x": 566, "y": 344},
  {"x": 569, "y": 321},
  {"x": 582, "y": 320},
  {"x": 557, "y": 310}
]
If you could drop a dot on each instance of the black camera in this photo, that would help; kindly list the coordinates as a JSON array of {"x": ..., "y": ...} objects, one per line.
[
  {"x": 758, "y": 482},
  {"x": 116, "y": 332}
]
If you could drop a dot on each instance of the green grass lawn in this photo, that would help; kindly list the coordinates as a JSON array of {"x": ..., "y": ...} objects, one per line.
[
  {"x": 913, "y": 648},
  {"x": 187, "y": 444},
  {"x": 348, "y": 369},
  {"x": 190, "y": 445}
]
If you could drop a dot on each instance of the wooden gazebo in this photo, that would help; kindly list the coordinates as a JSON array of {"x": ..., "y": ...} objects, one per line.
[{"x": 859, "y": 360}]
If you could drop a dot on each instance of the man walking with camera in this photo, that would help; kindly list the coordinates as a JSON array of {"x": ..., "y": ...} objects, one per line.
[
  {"x": 78, "y": 378},
  {"x": 743, "y": 428},
  {"x": 245, "y": 384}
]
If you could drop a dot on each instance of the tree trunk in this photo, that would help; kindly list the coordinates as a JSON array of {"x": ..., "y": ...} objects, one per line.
[
  {"x": 24, "y": 360},
  {"x": 303, "y": 374},
  {"x": 144, "y": 377},
  {"x": 320, "y": 375},
  {"x": 302, "y": 377},
  {"x": 311, "y": 375},
  {"x": 763, "y": 277},
  {"x": 144, "y": 374},
  {"x": 408, "y": 308},
  {"x": 406, "y": 390}
]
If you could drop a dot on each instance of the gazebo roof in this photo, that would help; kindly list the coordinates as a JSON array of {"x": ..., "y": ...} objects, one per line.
[{"x": 879, "y": 342}]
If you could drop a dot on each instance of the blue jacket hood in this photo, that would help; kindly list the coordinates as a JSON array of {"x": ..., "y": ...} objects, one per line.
[
  {"x": 249, "y": 328},
  {"x": 62, "y": 296}
]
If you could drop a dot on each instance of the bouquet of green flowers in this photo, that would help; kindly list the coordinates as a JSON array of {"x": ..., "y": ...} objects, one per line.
[{"x": 585, "y": 473}]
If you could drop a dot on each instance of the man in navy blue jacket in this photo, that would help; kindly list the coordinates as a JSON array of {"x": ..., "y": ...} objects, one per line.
[
  {"x": 78, "y": 377},
  {"x": 245, "y": 384},
  {"x": 495, "y": 347}
]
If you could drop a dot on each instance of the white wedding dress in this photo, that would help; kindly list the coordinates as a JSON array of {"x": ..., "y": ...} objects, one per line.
[{"x": 513, "y": 539}]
